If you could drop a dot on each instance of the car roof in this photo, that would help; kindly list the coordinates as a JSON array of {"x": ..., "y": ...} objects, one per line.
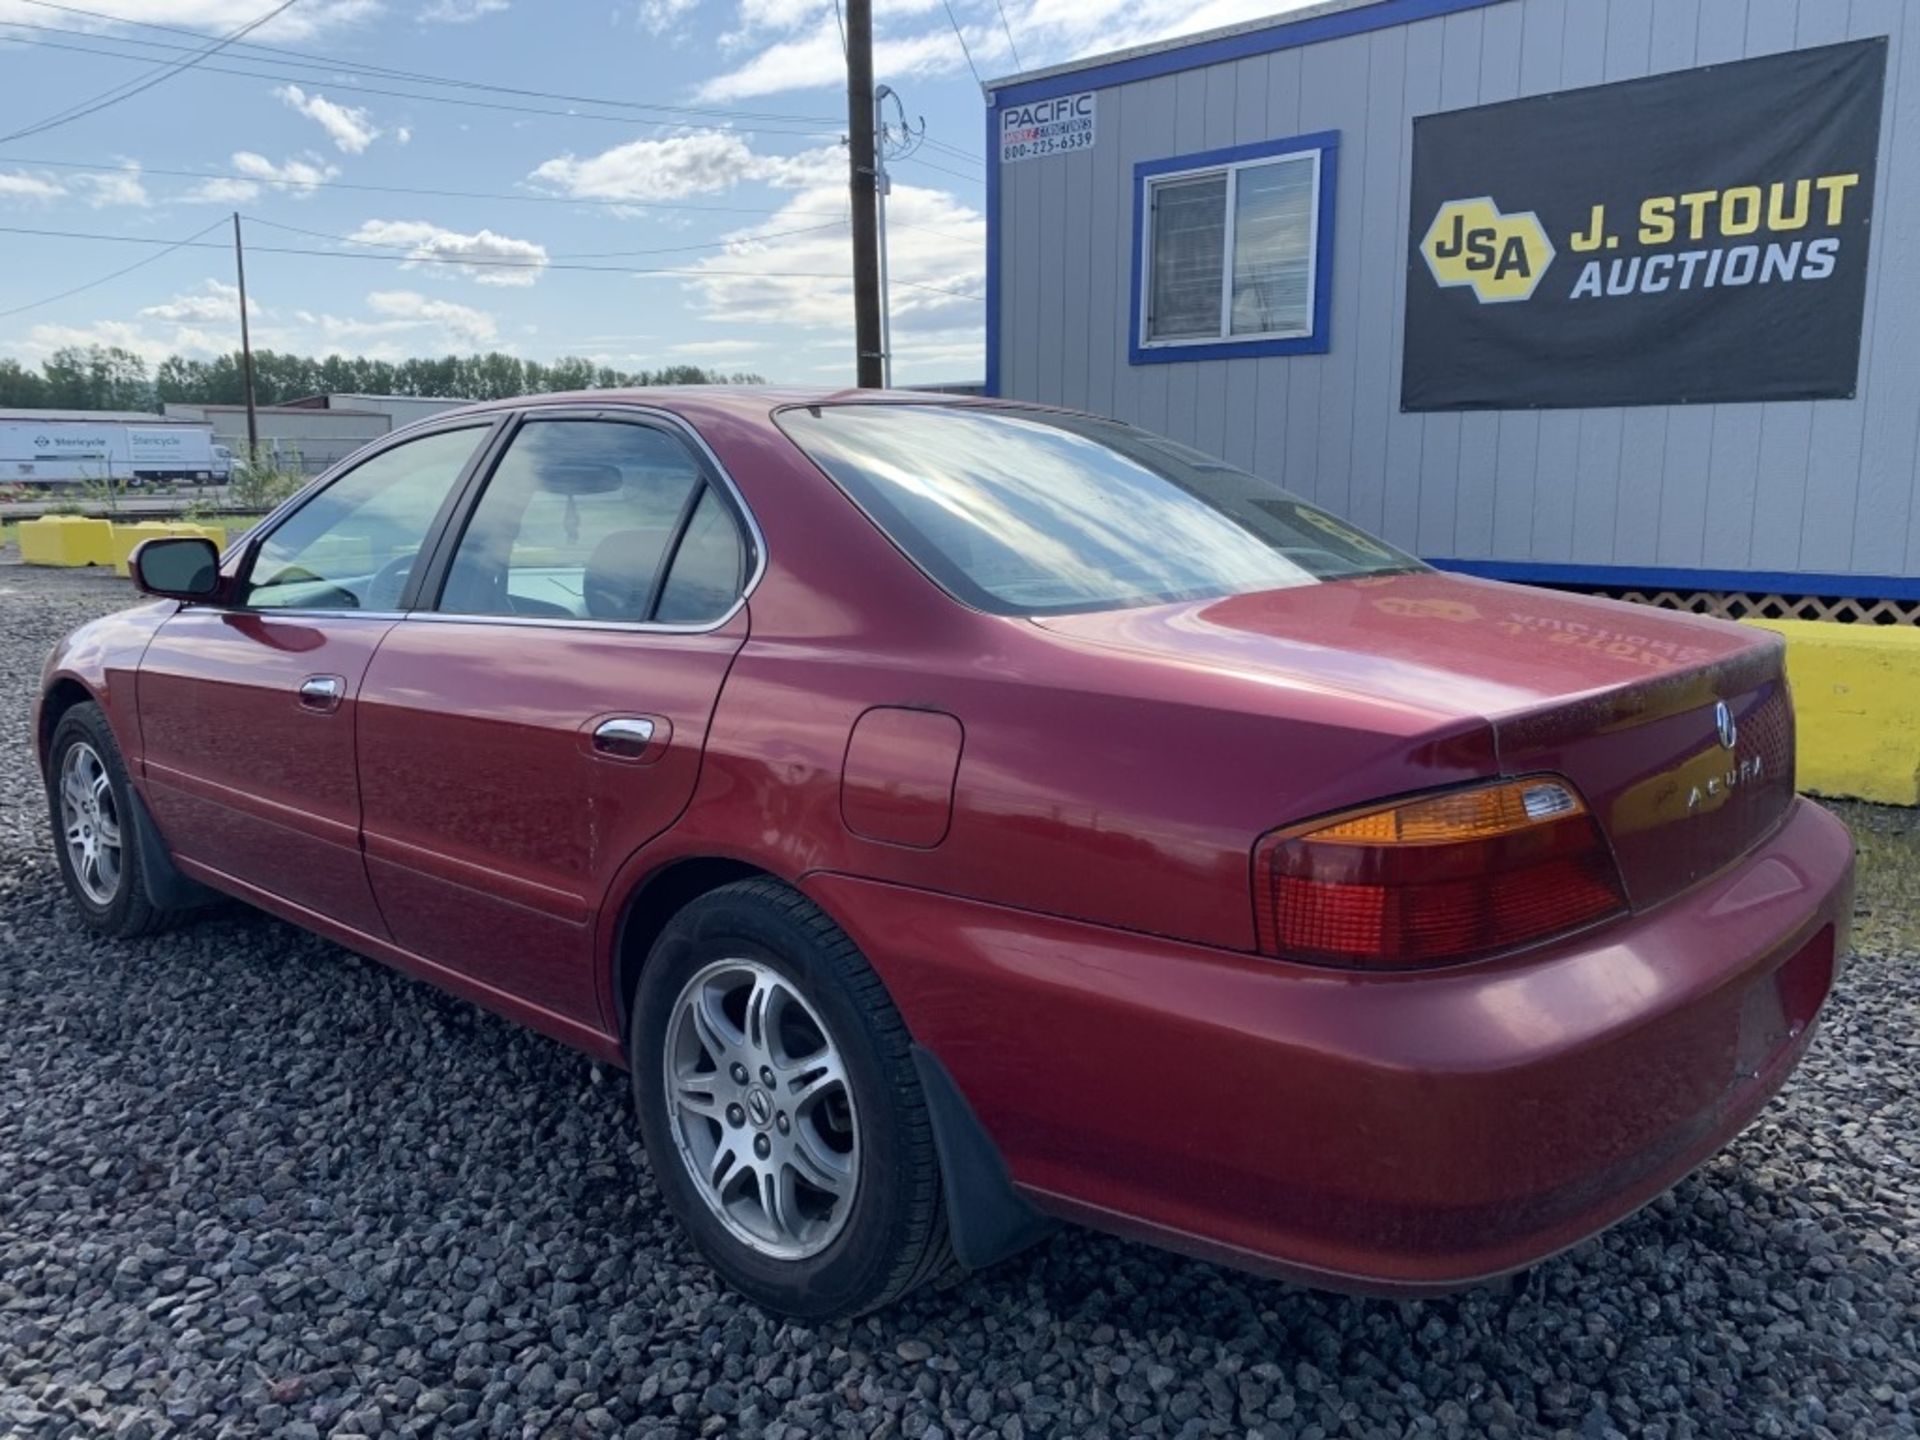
[{"x": 739, "y": 400}]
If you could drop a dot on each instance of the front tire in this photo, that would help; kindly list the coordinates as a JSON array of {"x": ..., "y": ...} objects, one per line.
[
  {"x": 95, "y": 841},
  {"x": 780, "y": 1109}
]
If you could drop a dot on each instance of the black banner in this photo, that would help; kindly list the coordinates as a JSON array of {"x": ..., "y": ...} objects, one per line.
[{"x": 1700, "y": 236}]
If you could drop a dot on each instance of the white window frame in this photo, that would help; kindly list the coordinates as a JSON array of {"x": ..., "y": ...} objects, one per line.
[{"x": 1224, "y": 335}]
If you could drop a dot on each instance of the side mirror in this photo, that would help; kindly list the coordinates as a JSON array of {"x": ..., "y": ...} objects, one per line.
[{"x": 177, "y": 567}]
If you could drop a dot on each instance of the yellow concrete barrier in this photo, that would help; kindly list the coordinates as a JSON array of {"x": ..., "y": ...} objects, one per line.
[
  {"x": 1856, "y": 697},
  {"x": 65, "y": 540},
  {"x": 126, "y": 536}
]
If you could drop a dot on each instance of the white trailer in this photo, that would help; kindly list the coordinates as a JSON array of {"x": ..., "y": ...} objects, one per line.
[{"x": 48, "y": 450}]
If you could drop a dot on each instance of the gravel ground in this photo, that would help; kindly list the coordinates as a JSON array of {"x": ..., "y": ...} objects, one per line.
[{"x": 250, "y": 1184}]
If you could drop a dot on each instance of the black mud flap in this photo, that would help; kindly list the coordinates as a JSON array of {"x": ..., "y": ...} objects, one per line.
[
  {"x": 986, "y": 1217},
  {"x": 166, "y": 887}
]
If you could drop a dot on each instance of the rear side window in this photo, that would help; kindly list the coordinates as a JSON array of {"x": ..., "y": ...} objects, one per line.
[
  {"x": 708, "y": 568},
  {"x": 596, "y": 520},
  {"x": 1028, "y": 512}
]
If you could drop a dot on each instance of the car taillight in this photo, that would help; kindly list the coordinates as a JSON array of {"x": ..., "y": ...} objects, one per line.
[{"x": 1436, "y": 880}]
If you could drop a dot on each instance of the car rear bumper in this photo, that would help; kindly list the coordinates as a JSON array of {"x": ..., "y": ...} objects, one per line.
[{"x": 1402, "y": 1133}]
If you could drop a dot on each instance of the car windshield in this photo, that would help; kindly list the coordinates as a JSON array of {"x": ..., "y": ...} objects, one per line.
[{"x": 1029, "y": 512}]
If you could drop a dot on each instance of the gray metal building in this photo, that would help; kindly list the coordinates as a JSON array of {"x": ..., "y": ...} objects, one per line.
[
  {"x": 299, "y": 437},
  {"x": 400, "y": 409},
  {"x": 1813, "y": 497}
]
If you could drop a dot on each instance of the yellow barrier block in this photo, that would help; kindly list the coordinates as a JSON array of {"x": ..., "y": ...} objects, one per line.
[
  {"x": 65, "y": 540},
  {"x": 1856, "y": 697},
  {"x": 126, "y": 536}
]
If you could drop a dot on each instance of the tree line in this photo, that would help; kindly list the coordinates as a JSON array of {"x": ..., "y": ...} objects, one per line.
[{"x": 108, "y": 378}]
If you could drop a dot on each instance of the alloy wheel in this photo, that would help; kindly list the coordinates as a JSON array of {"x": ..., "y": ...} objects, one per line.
[
  {"x": 762, "y": 1114},
  {"x": 90, "y": 823}
]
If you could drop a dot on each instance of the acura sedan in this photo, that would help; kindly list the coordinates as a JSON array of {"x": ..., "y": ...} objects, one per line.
[{"x": 962, "y": 816}]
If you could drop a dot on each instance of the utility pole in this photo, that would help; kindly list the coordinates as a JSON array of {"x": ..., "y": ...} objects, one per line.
[
  {"x": 883, "y": 184},
  {"x": 246, "y": 344},
  {"x": 861, "y": 177}
]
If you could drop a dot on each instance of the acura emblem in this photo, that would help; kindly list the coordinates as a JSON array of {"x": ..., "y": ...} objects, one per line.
[{"x": 1723, "y": 722}]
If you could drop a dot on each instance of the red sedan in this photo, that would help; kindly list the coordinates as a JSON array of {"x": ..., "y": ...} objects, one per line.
[{"x": 959, "y": 815}]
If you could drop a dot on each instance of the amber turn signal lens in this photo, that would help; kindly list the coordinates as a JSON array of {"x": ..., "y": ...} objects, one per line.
[{"x": 1438, "y": 879}]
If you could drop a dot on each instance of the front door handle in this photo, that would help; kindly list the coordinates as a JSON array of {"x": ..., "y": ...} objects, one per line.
[
  {"x": 629, "y": 737},
  {"x": 321, "y": 693}
]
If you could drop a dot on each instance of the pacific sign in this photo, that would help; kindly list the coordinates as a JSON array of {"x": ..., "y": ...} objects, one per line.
[{"x": 1048, "y": 127}]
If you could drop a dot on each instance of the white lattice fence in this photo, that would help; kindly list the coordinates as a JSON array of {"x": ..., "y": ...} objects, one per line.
[{"x": 1744, "y": 605}]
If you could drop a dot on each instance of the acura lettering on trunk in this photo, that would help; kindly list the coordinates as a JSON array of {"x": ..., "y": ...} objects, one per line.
[{"x": 949, "y": 812}]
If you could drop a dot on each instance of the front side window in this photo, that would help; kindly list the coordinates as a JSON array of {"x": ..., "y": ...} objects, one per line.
[
  {"x": 1029, "y": 512},
  {"x": 596, "y": 520},
  {"x": 353, "y": 545},
  {"x": 1230, "y": 252}
]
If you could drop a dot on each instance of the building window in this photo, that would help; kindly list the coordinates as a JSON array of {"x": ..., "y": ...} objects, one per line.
[{"x": 1232, "y": 251}]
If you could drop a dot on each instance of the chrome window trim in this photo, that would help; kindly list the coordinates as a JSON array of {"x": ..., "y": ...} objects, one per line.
[
  {"x": 269, "y": 612},
  {"x": 522, "y": 411},
  {"x": 553, "y": 622}
]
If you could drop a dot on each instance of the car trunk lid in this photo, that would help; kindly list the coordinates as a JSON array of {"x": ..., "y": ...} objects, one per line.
[{"x": 1625, "y": 701}]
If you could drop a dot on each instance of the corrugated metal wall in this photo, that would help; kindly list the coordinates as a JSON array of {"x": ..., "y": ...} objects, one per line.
[{"x": 1825, "y": 486}]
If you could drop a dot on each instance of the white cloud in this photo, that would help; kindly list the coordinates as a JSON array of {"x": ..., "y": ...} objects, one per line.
[
  {"x": 489, "y": 258},
  {"x": 222, "y": 190},
  {"x": 392, "y": 325},
  {"x": 704, "y": 162},
  {"x": 409, "y": 308},
  {"x": 402, "y": 323},
  {"x": 403, "y": 136},
  {"x": 44, "y": 339},
  {"x": 298, "y": 174},
  {"x": 936, "y": 254},
  {"x": 18, "y": 185},
  {"x": 119, "y": 187},
  {"x": 349, "y": 127},
  {"x": 217, "y": 17},
  {"x": 813, "y": 59},
  {"x": 692, "y": 348},
  {"x": 461, "y": 12},
  {"x": 215, "y": 300},
  {"x": 657, "y": 17},
  {"x": 799, "y": 45}
]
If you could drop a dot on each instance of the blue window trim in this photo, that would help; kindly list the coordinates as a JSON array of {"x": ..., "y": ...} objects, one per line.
[
  {"x": 1653, "y": 577},
  {"x": 1315, "y": 341},
  {"x": 1310, "y": 31}
]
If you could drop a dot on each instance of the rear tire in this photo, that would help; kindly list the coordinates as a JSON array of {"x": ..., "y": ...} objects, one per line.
[
  {"x": 829, "y": 1201},
  {"x": 95, "y": 835}
]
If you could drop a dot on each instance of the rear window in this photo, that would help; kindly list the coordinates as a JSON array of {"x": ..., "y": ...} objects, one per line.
[{"x": 1027, "y": 512}]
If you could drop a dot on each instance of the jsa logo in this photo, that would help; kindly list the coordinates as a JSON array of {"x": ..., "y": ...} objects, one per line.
[{"x": 1501, "y": 256}]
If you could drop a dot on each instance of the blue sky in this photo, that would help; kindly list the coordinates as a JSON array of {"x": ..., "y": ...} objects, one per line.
[{"x": 736, "y": 185}]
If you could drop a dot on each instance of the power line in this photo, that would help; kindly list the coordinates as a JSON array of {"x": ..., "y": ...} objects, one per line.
[
  {"x": 415, "y": 192},
  {"x": 1009, "y": 29},
  {"x": 115, "y": 275},
  {"x": 126, "y": 91},
  {"x": 310, "y": 59},
  {"x": 954, "y": 150},
  {"x": 951, "y": 151},
  {"x": 772, "y": 127},
  {"x": 963, "y": 43},
  {"x": 474, "y": 261},
  {"x": 957, "y": 174},
  {"x": 413, "y": 251}
]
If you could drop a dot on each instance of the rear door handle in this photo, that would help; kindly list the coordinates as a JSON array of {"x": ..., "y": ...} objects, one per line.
[
  {"x": 627, "y": 737},
  {"x": 322, "y": 693}
]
